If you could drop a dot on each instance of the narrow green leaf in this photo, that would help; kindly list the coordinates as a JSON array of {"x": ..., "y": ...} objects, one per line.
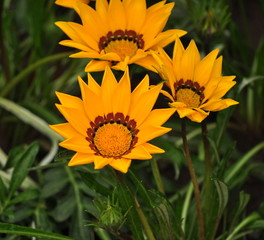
[
  {"x": 22, "y": 167},
  {"x": 27, "y": 195},
  {"x": 222, "y": 191},
  {"x": 2, "y": 191},
  {"x": 31, "y": 232},
  {"x": 127, "y": 205},
  {"x": 14, "y": 155}
]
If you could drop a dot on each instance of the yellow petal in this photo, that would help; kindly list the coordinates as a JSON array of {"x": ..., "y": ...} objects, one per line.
[
  {"x": 219, "y": 104},
  {"x": 197, "y": 116},
  {"x": 139, "y": 152},
  {"x": 96, "y": 66},
  {"x": 116, "y": 15},
  {"x": 84, "y": 54},
  {"x": 122, "y": 94},
  {"x": 121, "y": 164},
  {"x": 133, "y": 21},
  {"x": 147, "y": 133},
  {"x": 100, "y": 161},
  {"x": 65, "y": 130},
  {"x": 78, "y": 119},
  {"x": 69, "y": 3},
  {"x": 70, "y": 101},
  {"x": 109, "y": 85},
  {"x": 81, "y": 158},
  {"x": 92, "y": 102},
  {"x": 204, "y": 68},
  {"x": 77, "y": 144},
  {"x": 184, "y": 111},
  {"x": 73, "y": 44},
  {"x": 152, "y": 149},
  {"x": 190, "y": 59},
  {"x": 165, "y": 38},
  {"x": 157, "y": 117},
  {"x": 166, "y": 94},
  {"x": 140, "y": 108},
  {"x": 93, "y": 85}
]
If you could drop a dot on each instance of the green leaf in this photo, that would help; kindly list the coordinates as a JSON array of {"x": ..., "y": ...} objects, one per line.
[
  {"x": 14, "y": 155},
  {"x": 31, "y": 232},
  {"x": 90, "y": 181},
  {"x": 222, "y": 191},
  {"x": 65, "y": 207},
  {"x": 22, "y": 167},
  {"x": 27, "y": 195},
  {"x": 2, "y": 191},
  {"x": 127, "y": 205}
]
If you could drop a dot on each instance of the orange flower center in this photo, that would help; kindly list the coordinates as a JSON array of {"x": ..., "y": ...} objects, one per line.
[
  {"x": 189, "y": 92},
  {"x": 112, "y": 135},
  {"x": 124, "y": 43},
  {"x": 112, "y": 139}
]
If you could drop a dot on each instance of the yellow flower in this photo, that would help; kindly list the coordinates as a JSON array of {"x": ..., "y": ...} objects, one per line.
[
  {"x": 111, "y": 125},
  {"x": 70, "y": 3},
  {"x": 197, "y": 86},
  {"x": 118, "y": 33}
]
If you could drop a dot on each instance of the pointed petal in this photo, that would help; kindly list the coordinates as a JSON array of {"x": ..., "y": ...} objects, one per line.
[
  {"x": 139, "y": 152},
  {"x": 121, "y": 164},
  {"x": 116, "y": 15},
  {"x": 96, "y": 66},
  {"x": 152, "y": 149},
  {"x": 190, "y": 59},
  {"x": 133, "y": 21},
  {"x": 138, "y": 111},
  {"x": 157, "y": 117},
  {"x": 109, "y": 85},
  {"x": 219, "y": 104},
  {"x": 81, "y": 158},
  {"x": 69, "y": 3},
  {"x": 165, "y": 38},
  {"x": 149, "y": 132},
  {"x": 122, "y": 95},
  {"x": 77, "y": 144},
  {"x": 92, "y": 102},
  {"x": 204, "y": 68},
  {"x": 100, "y": 161},
  {"x": 65, "y": 130},
  {"x": 70, "y": 101}
]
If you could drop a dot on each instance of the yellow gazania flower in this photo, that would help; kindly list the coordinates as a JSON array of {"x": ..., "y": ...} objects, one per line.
[
  {"x": 197, "y": 86},
  {"x": 118, "y": 33},
  {"x": 70, "y": 3},
  {"x": 111, "y": 125}
]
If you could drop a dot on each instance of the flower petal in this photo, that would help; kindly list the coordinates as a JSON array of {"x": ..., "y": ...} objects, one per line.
[
  {"x": 81, "y": 158},
  {"x": 121, "y": 164}
]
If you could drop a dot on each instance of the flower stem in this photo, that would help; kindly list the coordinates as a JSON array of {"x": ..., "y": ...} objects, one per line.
[
  {"x": 156, "y": 174},
  {"x": 144, "y": 221},
  {"x": 197, "y": 194},
  {"x": 142, "y": 217}
]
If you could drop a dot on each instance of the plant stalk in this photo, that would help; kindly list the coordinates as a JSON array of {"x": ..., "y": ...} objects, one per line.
[
  {"x": 156, "y": 174},
  {"x": 197, "y": 193}
]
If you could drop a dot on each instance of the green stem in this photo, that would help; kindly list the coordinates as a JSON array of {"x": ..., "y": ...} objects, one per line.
[
  {"x": 13, "y": 82},
  {"x": 144, "y": 221},
  {"x": 76, "y": 191},
  {"x": 207, "y": 188},
  {"x": 197, "y": 194},
  {"x": 142, "y": 217},
  {"x": 3, "y": 56},
  {"x": 156, "y": 174},
  {"x": 186, "y": 206}
]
